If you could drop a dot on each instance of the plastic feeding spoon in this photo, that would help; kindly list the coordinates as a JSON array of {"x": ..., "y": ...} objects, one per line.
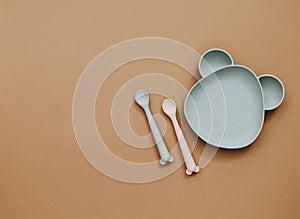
[
  {"x": 169, "y": 107},
  {"x": 142, "y": 99}
]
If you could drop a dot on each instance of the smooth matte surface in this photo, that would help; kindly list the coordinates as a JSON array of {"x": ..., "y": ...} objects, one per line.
[
  {"x": 273, "y": 91},
  {"x": 214, "y": 60},
  {"x": 45, "y": 45},
  {"x": 244, "y": 110},
  {"x": 169, "y": 108},
  {"x": 142, "y": 99}
]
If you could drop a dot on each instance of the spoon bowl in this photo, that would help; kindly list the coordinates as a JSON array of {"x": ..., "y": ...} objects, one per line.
[
  {"x": 142, "y": 97},
  {"x": 169, "y": 107}
]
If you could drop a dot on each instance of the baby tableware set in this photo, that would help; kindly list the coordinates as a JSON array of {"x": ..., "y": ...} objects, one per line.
[{"x": 225, "y": 108}]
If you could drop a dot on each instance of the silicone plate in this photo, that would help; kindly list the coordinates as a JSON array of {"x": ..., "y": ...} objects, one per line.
[{"x": 226, "y": 107}]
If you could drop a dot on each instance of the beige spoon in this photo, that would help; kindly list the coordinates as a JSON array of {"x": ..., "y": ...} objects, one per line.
[{"x": 169, "y": 107}]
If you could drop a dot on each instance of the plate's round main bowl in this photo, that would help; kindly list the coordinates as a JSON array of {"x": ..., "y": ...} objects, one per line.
[{"x": 226, "y": 108}]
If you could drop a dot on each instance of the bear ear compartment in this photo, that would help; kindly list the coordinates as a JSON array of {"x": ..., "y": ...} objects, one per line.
[
  {"x": 273, "y": 91},
  {"x": 213, "y": 60}
]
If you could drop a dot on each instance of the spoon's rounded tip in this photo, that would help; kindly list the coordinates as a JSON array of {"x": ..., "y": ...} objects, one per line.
[
  {"x": 141, "y": 97},
  {"x": 169, "y": 106},
  {"x": 140, "y": 92}
]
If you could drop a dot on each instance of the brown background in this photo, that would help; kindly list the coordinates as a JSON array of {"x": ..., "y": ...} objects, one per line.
[{"x": 45, "y": 45}]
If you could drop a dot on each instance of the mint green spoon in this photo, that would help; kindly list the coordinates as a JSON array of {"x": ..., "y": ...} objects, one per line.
[{"x": 142, "y": 99}]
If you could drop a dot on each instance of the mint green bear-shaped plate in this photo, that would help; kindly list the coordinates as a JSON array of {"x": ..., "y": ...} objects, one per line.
[{"x": 226, "y": 107}]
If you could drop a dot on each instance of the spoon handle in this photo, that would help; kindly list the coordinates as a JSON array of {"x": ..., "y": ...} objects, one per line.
[
  {"x": 185, "y": 150},
  {"x": 160, "y": 144}
]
